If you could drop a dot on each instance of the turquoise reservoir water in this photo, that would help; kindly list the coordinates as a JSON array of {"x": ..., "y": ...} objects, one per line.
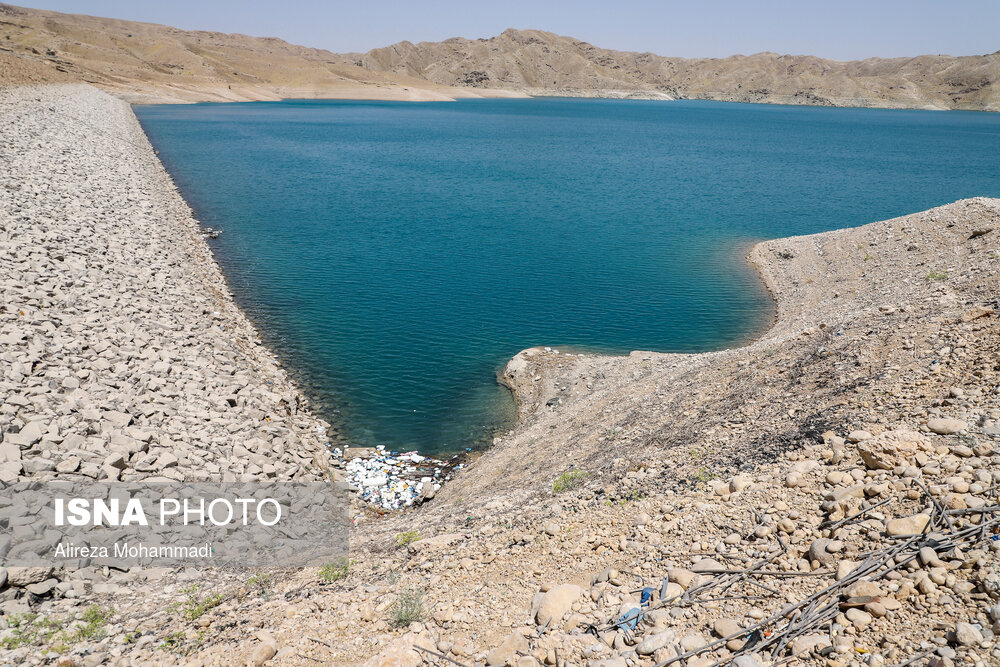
[{"x": 397, "y": 254}]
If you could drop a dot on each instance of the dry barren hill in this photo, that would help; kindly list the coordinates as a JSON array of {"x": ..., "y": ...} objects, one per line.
[
  {"x": 144, "y": 62},
  {"x": 543, "y": 63}
]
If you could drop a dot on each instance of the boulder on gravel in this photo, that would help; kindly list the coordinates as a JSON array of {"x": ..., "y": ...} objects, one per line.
[
  {"x": 907, "y": 525},
  {"x": 891, "y": 449},
  {"x": 555, "y": 602},
  {"x": 654, "y": 642},
  {"x": 944, "y": 426}
]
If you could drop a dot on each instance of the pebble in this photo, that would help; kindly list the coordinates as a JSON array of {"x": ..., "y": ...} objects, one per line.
[
  {"x": 726, "y": 627},
  {"x": 819, "y": 551},
  {"x": 554, "y": 603},
  {"x": 944, "y": 426},
  {"x": 876, "y": 609},
  {"x": 967, "y": 634},
  {"x": 860, "y": 619},
  {"x": 655, "y": 642},
  {"x": 910, "y": 525}
]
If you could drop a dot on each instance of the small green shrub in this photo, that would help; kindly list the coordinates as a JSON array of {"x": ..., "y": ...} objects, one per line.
[
  {"x": 572, "y": 479},
  {"x": 937, "y": 275},
  {"x": 173, "y": 642},
  {"x": 632, "y": 496},
  {"x": 409, "y": 608},
  {"x": 29, "y": 629},
  {"x": 335, "y": 571},
  {"x": 36, "y": 630},
  {"x": 196, "y": 604},
  {"x": 260, "y": 584},
  {"x": 699, "y": 453},
  {"x": 703, "y": 475},
  {"x": 92, "y": 626},
  {"x": 409, "y": 537}
]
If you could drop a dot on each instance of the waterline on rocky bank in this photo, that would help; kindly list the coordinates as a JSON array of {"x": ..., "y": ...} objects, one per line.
[{"x": 881, "y": 328}]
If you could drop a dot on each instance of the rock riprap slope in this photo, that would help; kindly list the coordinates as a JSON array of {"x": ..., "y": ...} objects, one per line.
[{"x": 123, "y": 354}]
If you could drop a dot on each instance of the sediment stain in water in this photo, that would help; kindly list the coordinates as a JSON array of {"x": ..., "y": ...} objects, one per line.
[{"x": 397, "y": 254}]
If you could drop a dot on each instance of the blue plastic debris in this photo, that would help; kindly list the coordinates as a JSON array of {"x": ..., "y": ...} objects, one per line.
[{"x": 629, "y": 620}]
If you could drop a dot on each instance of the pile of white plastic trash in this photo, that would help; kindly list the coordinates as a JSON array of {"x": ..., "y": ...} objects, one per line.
[{"x": 396, "y": 481}]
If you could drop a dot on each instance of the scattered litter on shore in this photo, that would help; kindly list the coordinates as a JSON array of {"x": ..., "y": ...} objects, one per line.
[{"x": 393, "y": 481}]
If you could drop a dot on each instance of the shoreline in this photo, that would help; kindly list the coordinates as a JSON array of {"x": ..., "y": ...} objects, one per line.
[
  {"x": 524, "y": 404},
  {"x": 146, "y": 62},
  {"x": 803, "y": 313},
  {"x": 474, "y": 450},
  {"x": 886, "y": 332},
  {"x": 123, "y": 336},
  {"x": 248, "y": 68},
  {"x": 508, "y": 375},
  {"x": 636, "y": 96},
  {"x": 511, "y": 374},
  {"x": 258, "y": 387}
]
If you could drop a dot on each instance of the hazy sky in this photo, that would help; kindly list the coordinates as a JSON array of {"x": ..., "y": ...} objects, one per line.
[{"x": 842, "y": 29}]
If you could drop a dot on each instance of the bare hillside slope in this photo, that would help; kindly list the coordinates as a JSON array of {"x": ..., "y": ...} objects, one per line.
[
  {"x": 544, "y": 63},
  {"x": 144, "y": 62}
]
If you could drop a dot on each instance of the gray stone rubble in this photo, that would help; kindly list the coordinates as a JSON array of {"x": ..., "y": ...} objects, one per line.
[{"x": 124, "y": 356}]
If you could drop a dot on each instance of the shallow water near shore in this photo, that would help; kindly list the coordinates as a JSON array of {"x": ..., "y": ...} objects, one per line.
[{"x": 395, "y": 255}]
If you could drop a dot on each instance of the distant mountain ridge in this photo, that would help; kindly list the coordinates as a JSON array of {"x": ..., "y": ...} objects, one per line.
[
  {"x": 540, "y": 62},
  {"x": 145, "y": 62}
]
